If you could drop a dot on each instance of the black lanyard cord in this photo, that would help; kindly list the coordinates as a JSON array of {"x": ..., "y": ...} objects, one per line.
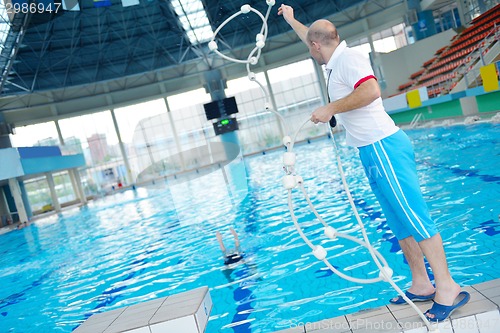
[{"x": 333, "y": 121}]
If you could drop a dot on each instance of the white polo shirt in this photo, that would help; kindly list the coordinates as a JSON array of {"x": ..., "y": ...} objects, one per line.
[{"x": 346, "y": 70}]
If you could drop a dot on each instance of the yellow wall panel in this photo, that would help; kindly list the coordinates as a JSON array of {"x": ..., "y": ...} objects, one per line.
[
  {"x": 490, "y": 77},
  {"x": 413, "y": 98}
]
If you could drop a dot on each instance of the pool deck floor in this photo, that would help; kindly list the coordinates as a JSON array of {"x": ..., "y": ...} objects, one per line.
[{"x": 480, "y": 315}]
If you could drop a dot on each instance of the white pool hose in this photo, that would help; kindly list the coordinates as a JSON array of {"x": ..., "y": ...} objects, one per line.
[{"x": 291, "y": 180}]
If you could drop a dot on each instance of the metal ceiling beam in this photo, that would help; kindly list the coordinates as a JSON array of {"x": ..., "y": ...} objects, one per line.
[
  {"x": 13, "y": 41},
  {"x": 22, "y": 109}
]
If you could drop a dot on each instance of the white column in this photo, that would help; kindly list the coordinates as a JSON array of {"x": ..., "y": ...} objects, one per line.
[
  {"x": 53, "y": 194},
  {"x": 273, "y": 103},
  {"x": 174, "y": 131},
  {"x": 59, "y": 133},
  {"x": 18, "y": 199},
  {"x": 462, "y": 10},
  {"x": 78, "y": 181},
  {"x": 73, "y": 183},
  {"x": 321, "y": 81},
  {"x": 4, "y": 206},
  {"x": 122, "y": 149},
  {"x": 77, "y": 185}
]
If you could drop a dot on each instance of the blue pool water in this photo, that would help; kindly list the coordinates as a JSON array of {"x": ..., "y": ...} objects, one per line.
[{"x": 153, "y": 242}]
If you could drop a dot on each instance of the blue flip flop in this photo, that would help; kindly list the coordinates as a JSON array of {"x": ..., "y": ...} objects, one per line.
[
  {"x": 442, "y": 312},
  {"x": 413, "y": 298}
]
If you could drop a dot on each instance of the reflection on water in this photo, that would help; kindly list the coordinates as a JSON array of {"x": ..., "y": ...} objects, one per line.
[{"x": 156, "y": 241}]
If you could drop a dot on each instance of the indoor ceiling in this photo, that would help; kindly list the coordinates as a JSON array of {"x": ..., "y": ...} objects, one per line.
[{"x": 96, "y": 58}]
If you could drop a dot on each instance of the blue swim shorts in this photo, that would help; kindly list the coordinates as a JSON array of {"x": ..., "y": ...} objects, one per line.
[{"x": 391, "y": 170}]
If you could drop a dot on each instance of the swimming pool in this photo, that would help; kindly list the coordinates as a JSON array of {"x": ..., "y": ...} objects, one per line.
[{"x": 153, "y": 242}]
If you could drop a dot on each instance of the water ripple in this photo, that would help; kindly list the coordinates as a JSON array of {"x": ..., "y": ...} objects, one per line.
[{"x": 154, "y": 242}]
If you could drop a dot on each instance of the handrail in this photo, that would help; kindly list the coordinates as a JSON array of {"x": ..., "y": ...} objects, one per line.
[
  {"x": 461, "y": 70},
  {"x": 415, "y": 120},
  {"x": 464, "y": 68}
]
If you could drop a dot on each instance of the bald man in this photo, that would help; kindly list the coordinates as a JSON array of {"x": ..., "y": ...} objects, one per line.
[{"x": 388, "y": 159}]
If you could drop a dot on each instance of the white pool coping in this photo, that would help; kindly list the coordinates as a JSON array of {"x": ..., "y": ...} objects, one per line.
[
  {"x": 480, "y": 315},
  {"x": 188, "y": 312},
  {"x": 185, "y": 312}
]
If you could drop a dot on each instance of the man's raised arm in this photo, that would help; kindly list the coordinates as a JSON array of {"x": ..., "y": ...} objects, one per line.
[{"x": 299, "y": 28}]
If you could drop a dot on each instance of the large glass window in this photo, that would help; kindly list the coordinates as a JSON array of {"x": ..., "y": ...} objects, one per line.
[
  {"x": 173, "y": 138},
  {"x": 43, "y": 134},
  {"x": 259, "y": 129},
  {"x": 37, "y": 189},
  {"x": 384, "y": 41},
  {"x": 390, "y": 39},
  {"x": 38, "y": 193},
  {"x": 40, "y": 200},
  {"x": 64, "y": 189},
  {"x": 474, "y": 8},
  {"x": 147, "y": 135},
  {"x": 191, "y": 125},
  {"x": 94, "y": 135},
  {"x": 297, "y": 94},
  {"x": 362, "y": 45}
]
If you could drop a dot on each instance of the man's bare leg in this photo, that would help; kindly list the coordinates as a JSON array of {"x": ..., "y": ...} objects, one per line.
[
  {"x": 420, "y": 283},
  {"x": 447, "y": 289}
]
